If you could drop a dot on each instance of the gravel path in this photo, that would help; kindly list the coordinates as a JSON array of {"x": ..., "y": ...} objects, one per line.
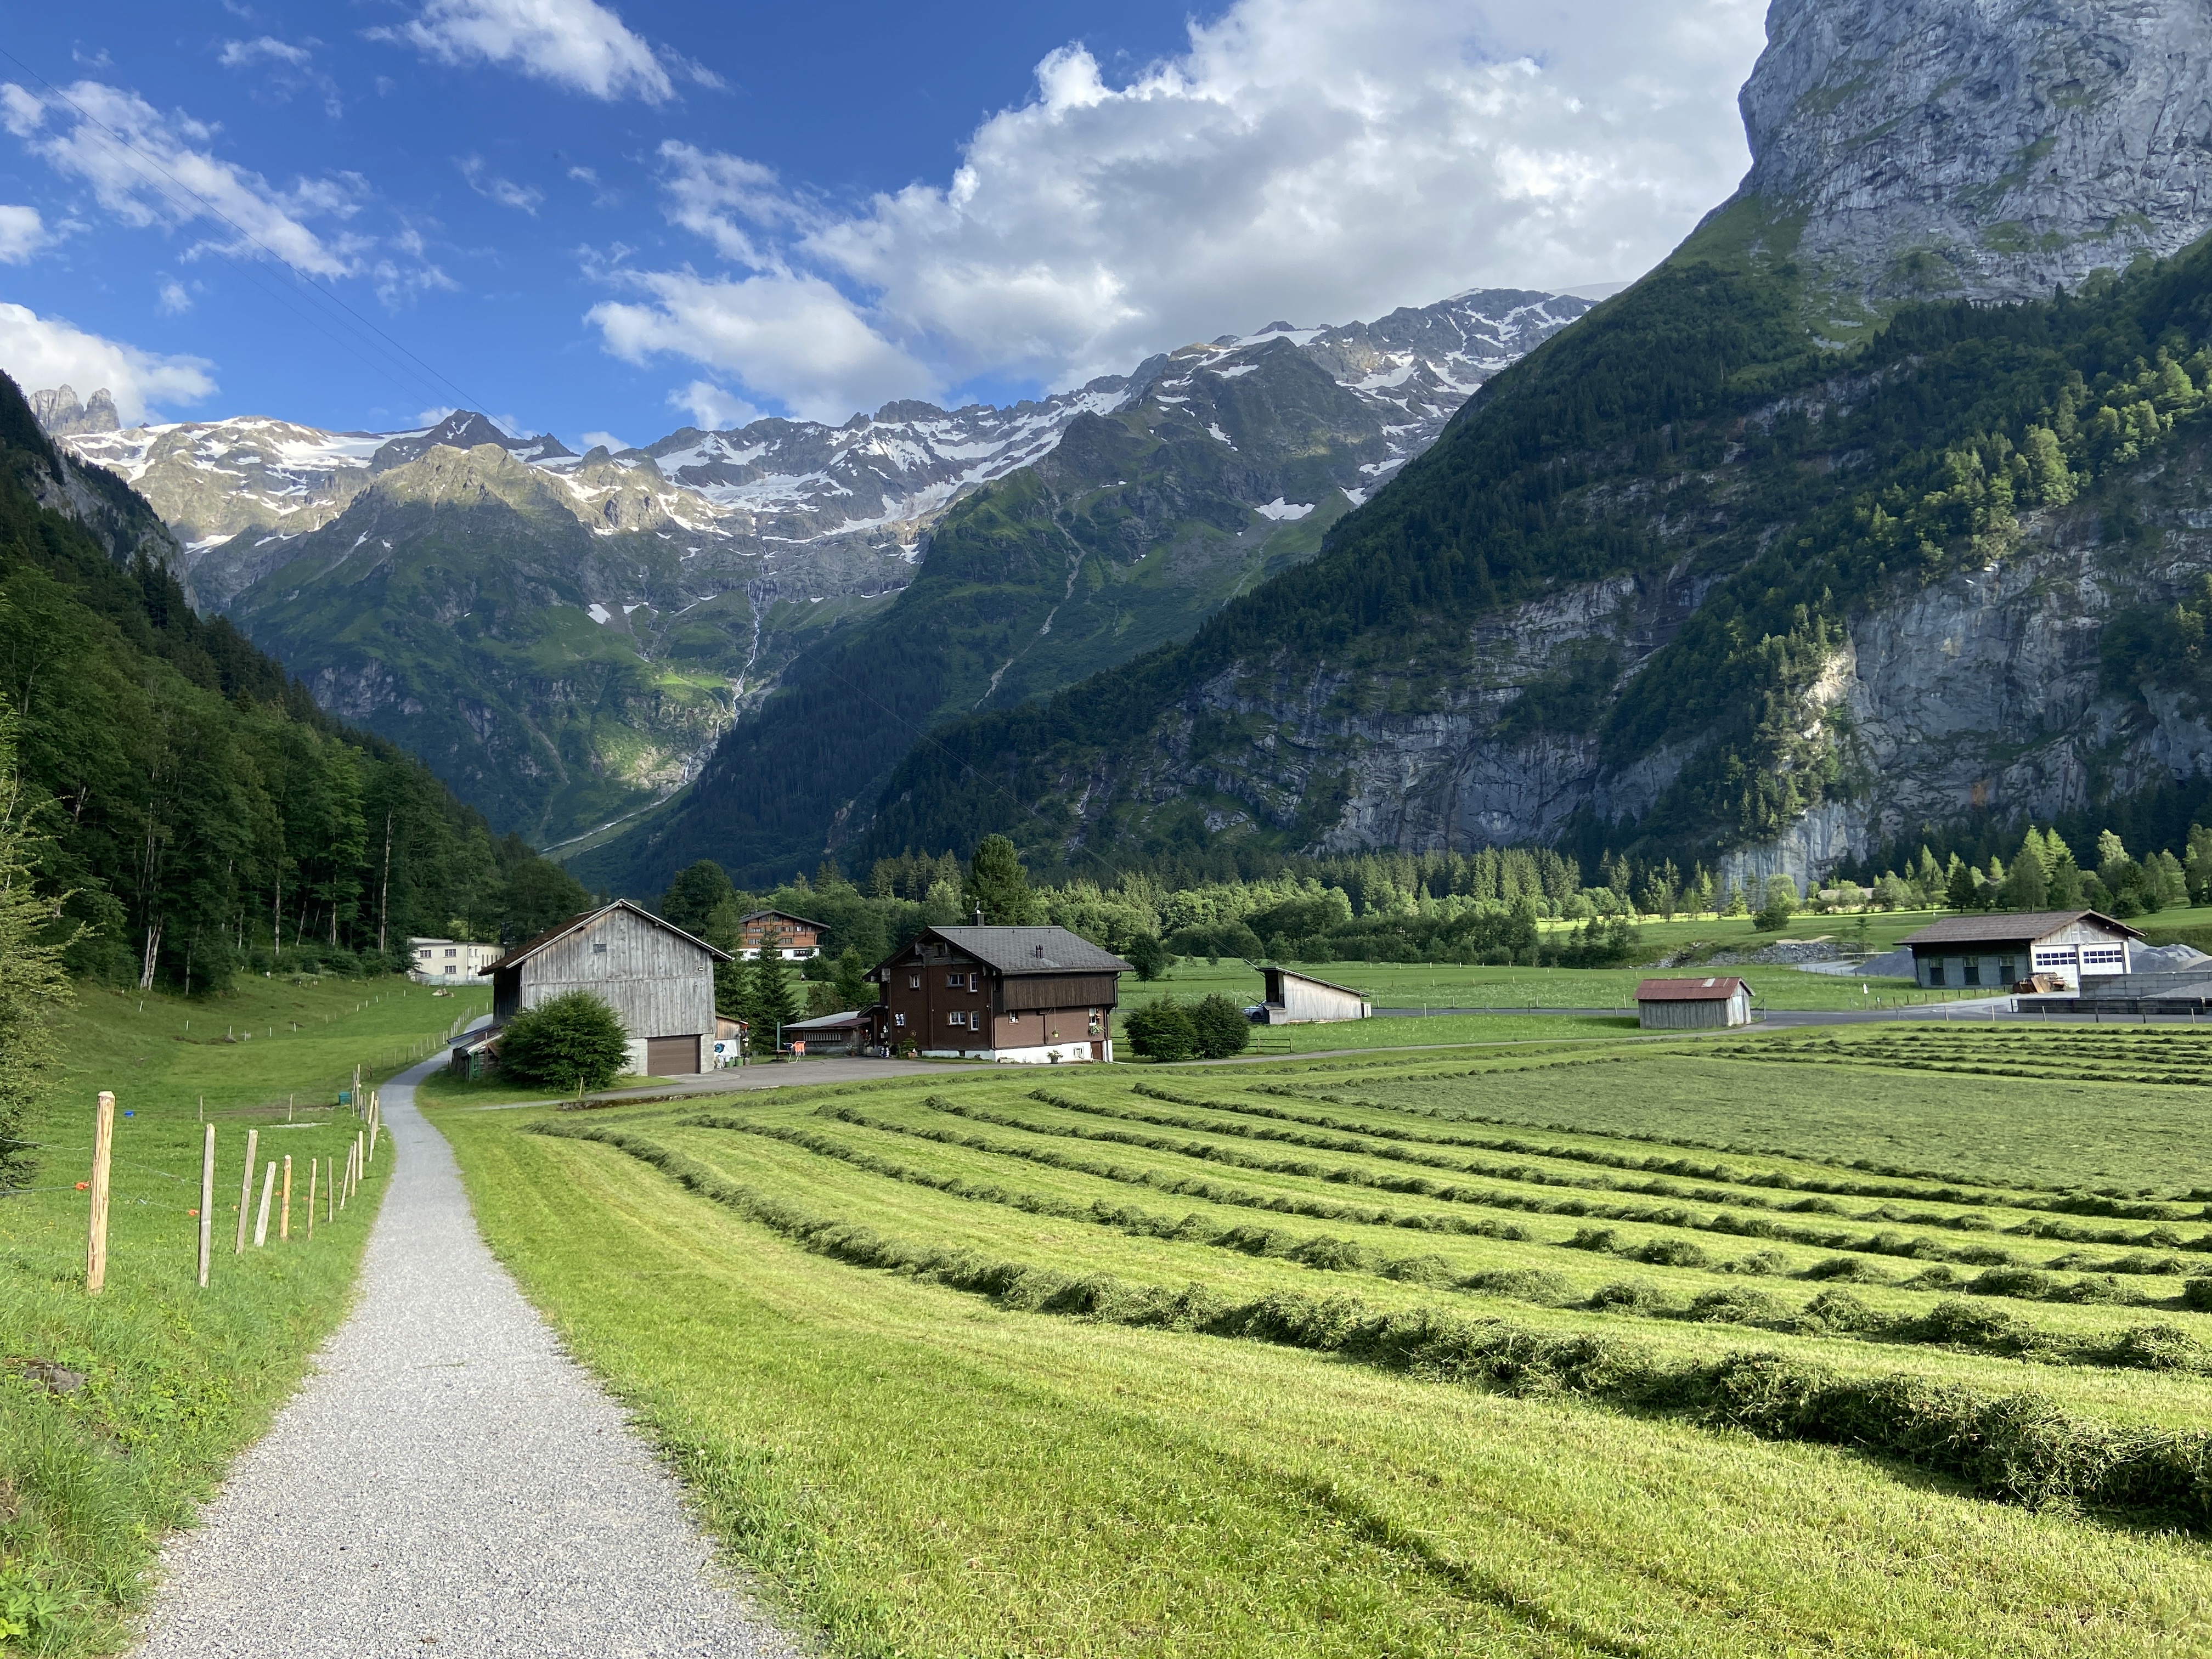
[{"x": 448, "y": 1481}]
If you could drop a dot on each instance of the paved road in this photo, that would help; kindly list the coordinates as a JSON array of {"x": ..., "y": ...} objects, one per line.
[{"x": 447, "y": 1482}]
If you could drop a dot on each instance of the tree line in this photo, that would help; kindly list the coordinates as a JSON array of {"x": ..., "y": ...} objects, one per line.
[{"x": 190, "y": 813}]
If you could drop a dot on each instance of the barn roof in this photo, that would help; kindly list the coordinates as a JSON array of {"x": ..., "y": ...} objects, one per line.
[
  {"x": 1316, "y": 979},
  {"x": 530, "y": 947},
  {"x": 1031, "y": 950},
  {"x": 844, "y": 1022},
  {"x": 2013, "y": 928},
  {"x": 1689, "y": 990}
]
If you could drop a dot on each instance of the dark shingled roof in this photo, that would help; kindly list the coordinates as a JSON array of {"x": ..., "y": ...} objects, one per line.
[
  {"x": 2013, "y": 928},
  {"x": 531, "y": 947},
  {"x": 1687, "y": 990},
  {"x": 755, "y": 915},
  {"x": 1016, "y": 950}
]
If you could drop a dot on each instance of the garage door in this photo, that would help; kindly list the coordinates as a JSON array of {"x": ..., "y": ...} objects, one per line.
[{"x": 672, "y": 1057}]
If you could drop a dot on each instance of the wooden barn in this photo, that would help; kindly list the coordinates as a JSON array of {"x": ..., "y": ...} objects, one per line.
[
  {"x": 1692, "y": 1004},
  {"x": 1026, "y": 995},
  {"x": 1295, "y": 999},
  {"x": 658, "y": 980}
]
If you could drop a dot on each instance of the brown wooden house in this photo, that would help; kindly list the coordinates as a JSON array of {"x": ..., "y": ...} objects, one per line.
[
  {"x": 1030, "y": 995},
  {"x": 792, "y": 938}
]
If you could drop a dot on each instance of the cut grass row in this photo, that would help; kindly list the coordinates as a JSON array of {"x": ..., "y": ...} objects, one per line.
[
  {"x": 918, "y": 1471},
  {"x": 2103, "y": 1139},
  {"x": 1952, "y": 1321},
  {"x": 2019, "y": 1447}
]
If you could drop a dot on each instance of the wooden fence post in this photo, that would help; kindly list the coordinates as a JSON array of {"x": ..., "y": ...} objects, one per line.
[
  {"x": 312, "y": 1171},
  {"x": 207, "y": 1204},
  {"x": 360, "y": 1159},
  {"x": 245, "y": 1188},
  {"x": 284, "y": 1222},
  {"x": 268, "y": 1192},
  {"x": 103, "y": 1146}
]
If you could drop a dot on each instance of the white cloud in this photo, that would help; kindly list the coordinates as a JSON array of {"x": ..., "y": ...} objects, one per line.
[
  {"x": 793, "y": 335},
  {"x": 175, "y": 299},
  {"x": 251, "y": 216},
  {"x": 505, "y": 191},
  {"x": 595, "y": 440},
  {"x": 22, "y": 233},
  {"x": 1318, "y": 160},
  {"x": 572, "y": 43},
  {"x": 711, "y": 407},
  {"x": 44, "y": 352},
  {"x": 236, "y": 54}
]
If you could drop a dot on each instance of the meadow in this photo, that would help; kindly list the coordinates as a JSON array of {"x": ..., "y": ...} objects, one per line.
[
  {"x": 119, "y": 1414},
  {"x": 1850, "y": 1341}
]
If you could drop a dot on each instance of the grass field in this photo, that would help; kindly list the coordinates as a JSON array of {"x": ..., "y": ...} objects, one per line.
[
  {"x": 1812, "y": 1345},
  {"x": 119, "y": 1414}
]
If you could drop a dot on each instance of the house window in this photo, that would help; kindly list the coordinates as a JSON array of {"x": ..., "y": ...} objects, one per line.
[
  {"x": 2109, "y": 958},
  {"x": 1973, "y": 970},
  {"x": 599, "y": 949},
  {"x": 898, "y": 1019},
  {"x": 971, "y": 981},
  {"x": 956, "y": 1019},
  {"x": 953, "y": 979},
  {"x": 1935, "y": 971},
  {"x": 451, "y": 953},
  {"x": 913, "y": 981}
]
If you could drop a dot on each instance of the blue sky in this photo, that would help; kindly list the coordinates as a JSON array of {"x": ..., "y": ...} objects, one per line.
[{"x": 621, "y": 219}]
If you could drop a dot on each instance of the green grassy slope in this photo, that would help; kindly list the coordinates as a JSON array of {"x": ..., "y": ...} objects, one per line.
[
  {"x": 1042, "y": 1432},
  {"x": 170, "y": 1382}
]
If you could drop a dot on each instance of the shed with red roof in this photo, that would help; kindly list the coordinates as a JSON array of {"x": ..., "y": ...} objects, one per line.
[{"x": 1692, "y": 1004}]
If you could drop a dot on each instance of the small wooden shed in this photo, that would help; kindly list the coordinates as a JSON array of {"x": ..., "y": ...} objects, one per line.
[
  {"x": 1296, "y": 999},
  {"x": 658, "y": 980},
  {"x": 1692, "y": 1004}
]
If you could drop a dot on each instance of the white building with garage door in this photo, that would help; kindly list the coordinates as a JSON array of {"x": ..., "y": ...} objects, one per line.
[{"x": 1993, "y": 952}]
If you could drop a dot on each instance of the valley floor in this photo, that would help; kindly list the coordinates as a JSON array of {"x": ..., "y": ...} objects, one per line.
[{"x": 1845, "y": 1340}]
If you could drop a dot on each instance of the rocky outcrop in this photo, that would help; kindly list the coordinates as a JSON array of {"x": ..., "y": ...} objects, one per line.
[
  {"x": 1990, "y": 148},
  {"x": 61, "y": 415}
]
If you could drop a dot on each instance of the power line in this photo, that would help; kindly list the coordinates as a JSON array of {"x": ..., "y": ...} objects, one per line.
[{"x": 331, "y": 327}]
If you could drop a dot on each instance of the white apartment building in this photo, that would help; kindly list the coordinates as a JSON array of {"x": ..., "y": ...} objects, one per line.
[{"x": 449, "y": 961}]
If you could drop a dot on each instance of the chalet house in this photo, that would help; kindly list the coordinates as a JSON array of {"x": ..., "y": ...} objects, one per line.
[
  {"x": 1994, "y": 951},
  {"x": 1692, "y": 1004},
  {"x": 658, "y": 980},
  {"x": 1030, "y": 995},
  {"x": 792, "y": 938},
  {"x": 448, "y": 961},
  {"x": 1295, "y": 999}
]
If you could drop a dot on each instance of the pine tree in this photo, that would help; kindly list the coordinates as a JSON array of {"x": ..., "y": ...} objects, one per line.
[
  {"x": 32, "y": 982},
  {"x": 771, "y": 1003},
  {"x": 998, "y": 885}
]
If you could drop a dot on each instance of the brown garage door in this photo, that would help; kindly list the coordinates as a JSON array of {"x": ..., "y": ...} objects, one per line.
[{"x": 672, "y": 1057}]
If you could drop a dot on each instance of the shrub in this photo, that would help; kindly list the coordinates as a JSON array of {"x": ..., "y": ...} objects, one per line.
[
  {"x": 573, "y": 1042},
  {"x": 1221, "y": 1027},
  {"x": 1162, "y": 1030}
]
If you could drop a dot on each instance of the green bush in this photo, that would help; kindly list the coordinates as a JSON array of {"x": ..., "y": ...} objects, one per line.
[
  {"x": 2196, "y": 1295},
  {"x": 1162, "y": 1030},
  {"x": 573, "y": 1042},
  {"x": 1221, "y": 1025}
]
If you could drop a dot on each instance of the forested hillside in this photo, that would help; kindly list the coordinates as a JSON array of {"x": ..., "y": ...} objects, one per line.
[
  {"x": 198, "y": 815},
  {"x": 1616, "y": 604}
]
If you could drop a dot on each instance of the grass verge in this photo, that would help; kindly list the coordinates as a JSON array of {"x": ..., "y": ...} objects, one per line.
[{"x": 119, "y": 1414}]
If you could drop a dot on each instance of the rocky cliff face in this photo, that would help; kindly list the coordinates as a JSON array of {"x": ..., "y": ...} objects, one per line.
[{"x": 1991, "y": 148}]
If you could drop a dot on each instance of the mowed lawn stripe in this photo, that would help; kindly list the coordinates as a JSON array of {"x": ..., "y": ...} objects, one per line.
[
  {"x": 929, "y": 1220},
  {"x": 920, "y": 1472}
]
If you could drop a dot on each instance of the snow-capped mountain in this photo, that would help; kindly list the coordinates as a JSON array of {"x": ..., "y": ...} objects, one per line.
[{"x": 563, "y": 635}]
